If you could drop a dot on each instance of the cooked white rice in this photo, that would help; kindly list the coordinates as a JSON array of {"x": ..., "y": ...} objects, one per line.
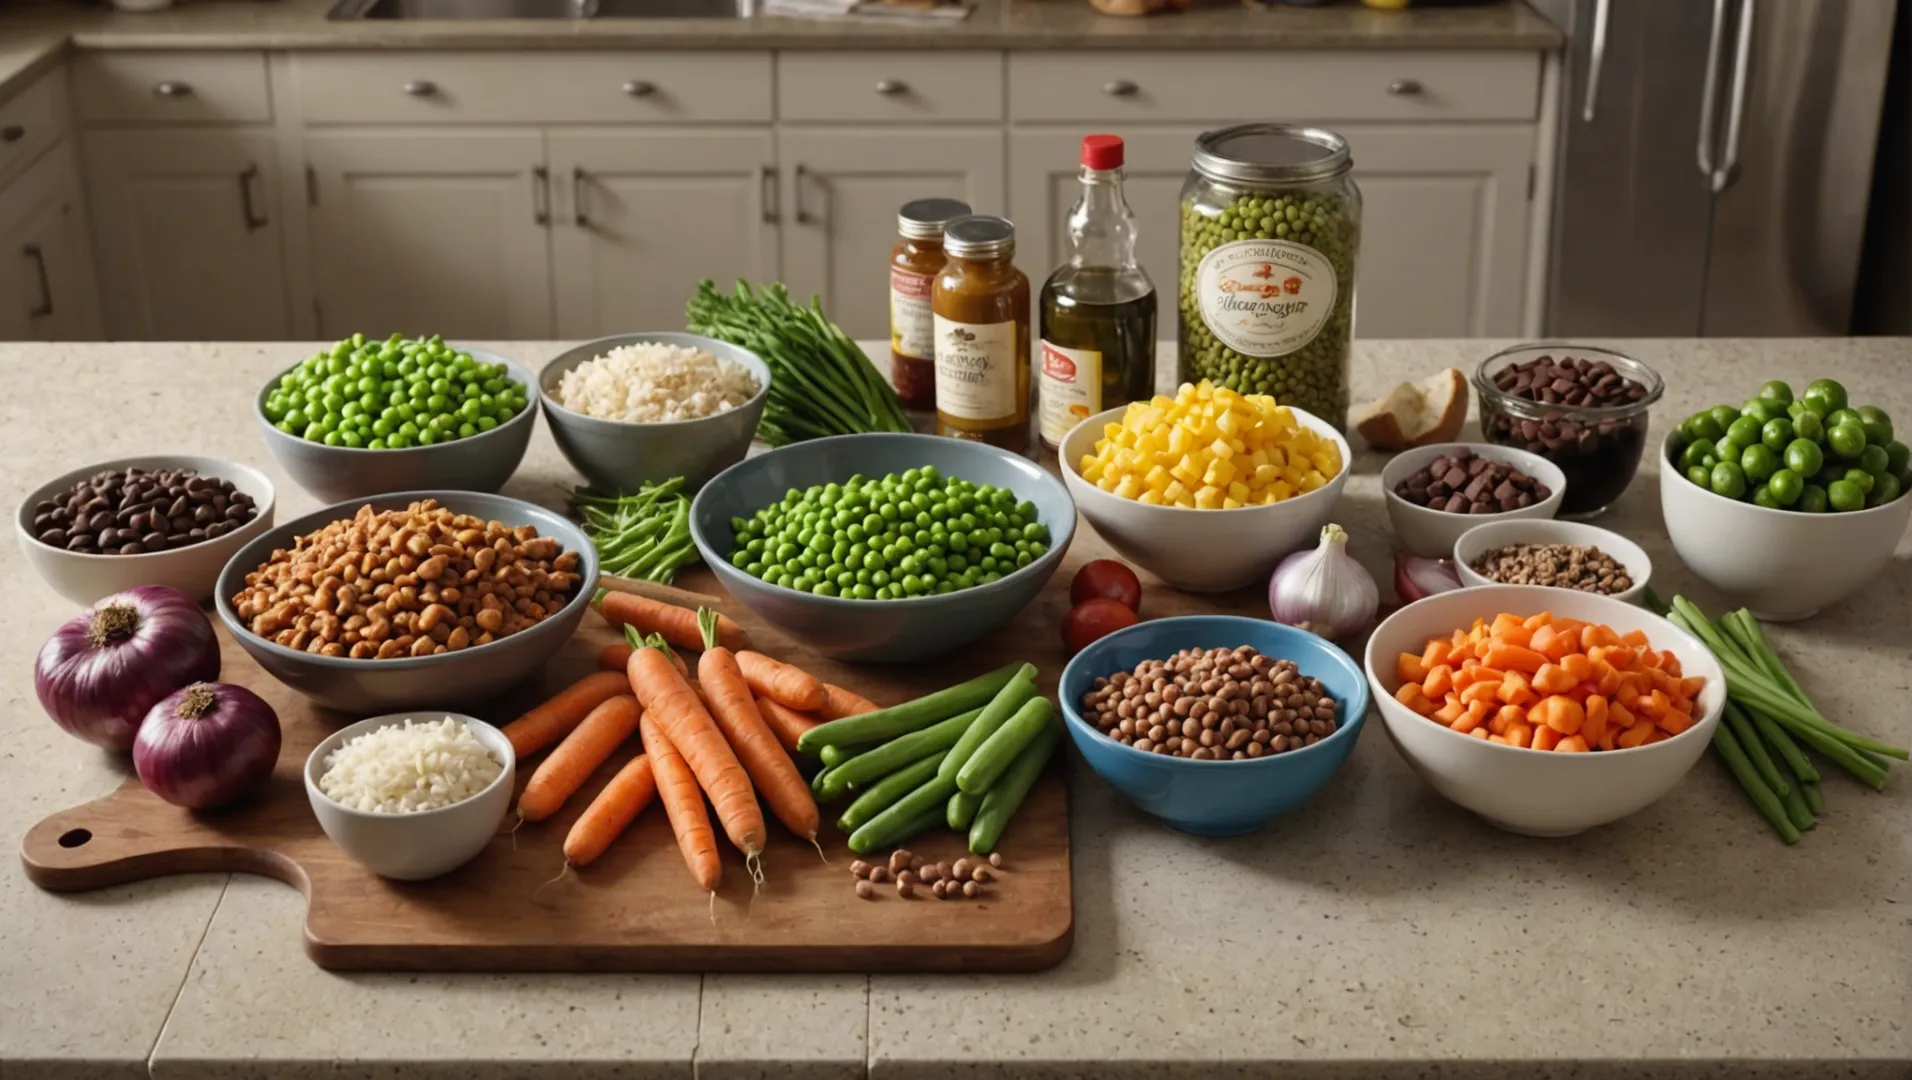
[
  {"x": 649, "y": 383},
  {"x": 410, "y": 767}
]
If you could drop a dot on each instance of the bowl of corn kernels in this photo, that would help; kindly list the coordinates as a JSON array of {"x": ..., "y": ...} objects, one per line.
[{"x": 1209, "y": 489}]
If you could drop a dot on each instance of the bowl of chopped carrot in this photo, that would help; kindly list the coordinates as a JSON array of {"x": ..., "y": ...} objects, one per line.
[{"x": 1546, "y": 712}]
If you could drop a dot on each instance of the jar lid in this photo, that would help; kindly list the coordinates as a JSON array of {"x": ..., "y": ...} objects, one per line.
[
  {"x": 1271, "y": 153},
  {"x": 980, "y": 236},
  {"x": 924, "y": 219},
  {"x": 1102, "y": 152}
]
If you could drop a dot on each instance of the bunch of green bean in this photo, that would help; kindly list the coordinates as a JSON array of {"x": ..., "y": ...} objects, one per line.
[
  {"x": 645, "y": 535},
  {"x": 1767, "y": 719},
  {"x": 965, "y": 757},
  {"x": 820, "y": 382}
]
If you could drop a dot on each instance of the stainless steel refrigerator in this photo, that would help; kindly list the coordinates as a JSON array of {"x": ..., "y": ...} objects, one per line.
[{"x": 1715, "y": 165}]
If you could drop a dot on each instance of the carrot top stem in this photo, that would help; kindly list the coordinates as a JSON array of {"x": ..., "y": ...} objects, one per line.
[{"x": 707, "y": 625}]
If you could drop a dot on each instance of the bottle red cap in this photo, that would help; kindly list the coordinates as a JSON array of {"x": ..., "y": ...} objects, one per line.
[{"x": 1102, "y": 151}]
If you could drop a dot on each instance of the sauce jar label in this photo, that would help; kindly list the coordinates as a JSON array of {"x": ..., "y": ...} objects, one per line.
[
  {"x": 976, "y": 369},
  {"x": 1265, "y": 297},
  {"x": 1069, "y": 389},
  {"x": 910, "y": 322}
]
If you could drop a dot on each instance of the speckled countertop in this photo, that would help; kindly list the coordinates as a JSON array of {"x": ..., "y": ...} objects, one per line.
[{"x": 1378, "y": 933}]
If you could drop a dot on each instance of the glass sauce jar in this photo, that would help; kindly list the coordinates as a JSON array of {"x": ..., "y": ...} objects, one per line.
[
  {"x": 980, "y": 304},
  {"x": 914, "y": 264}
]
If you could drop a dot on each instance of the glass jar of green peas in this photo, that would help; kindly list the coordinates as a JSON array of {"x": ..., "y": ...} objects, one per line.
[{"x": 1271, "y": 221}]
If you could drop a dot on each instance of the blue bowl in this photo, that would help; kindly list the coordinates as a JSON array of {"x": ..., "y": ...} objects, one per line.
[
  {"x": 1215, "y": 798},
  {"x": 885, "y": 631}
]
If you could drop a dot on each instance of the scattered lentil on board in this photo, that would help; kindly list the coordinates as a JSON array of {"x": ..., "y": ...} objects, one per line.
[{"x": 1212, "y": 705}]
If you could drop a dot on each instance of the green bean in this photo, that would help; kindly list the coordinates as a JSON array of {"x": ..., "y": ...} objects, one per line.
[
  {"x": 832, "y": 756},
  {"x": 910, "y": 716},
  {"x": 1797, "y": 811},
  {"x": 1755, "y": 788},
  {"x": 890, "y": 823},
  {"x": 1006, "y": 796},
  {"x": 1000, "y": 708},
  {"x": 881, "y": 794},
  {"x": 1748, "y": 737},
  {"x": 1794, "y": 758},
  {"x": 924, "y": 822},
  {"x": 999, "y": 752},
  {"x": 1815, "y": 800},
  {"x": 961, "y": 810},
  {"x": 884, "y": 759}
]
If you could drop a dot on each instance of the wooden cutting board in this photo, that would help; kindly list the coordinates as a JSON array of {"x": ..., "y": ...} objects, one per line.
[{"x": 636, "y": 908}]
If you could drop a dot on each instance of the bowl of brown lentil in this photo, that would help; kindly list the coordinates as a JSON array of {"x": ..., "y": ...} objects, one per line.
[
  {"x": 1554, "y": 554},
  {"x": 417, "y": 599},
  {"x": 1214, "y": 723}
]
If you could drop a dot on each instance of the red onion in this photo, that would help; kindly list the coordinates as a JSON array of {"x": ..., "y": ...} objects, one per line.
[
  {"x": 1324, "y": 591},
  {"x": 1417, "y": 578},
  {"x": 100, "y": 674},
  {"x": 207, "y": 745}
]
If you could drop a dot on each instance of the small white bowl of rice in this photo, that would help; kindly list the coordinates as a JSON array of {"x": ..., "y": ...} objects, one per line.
[{"x": 412, "y": 795}]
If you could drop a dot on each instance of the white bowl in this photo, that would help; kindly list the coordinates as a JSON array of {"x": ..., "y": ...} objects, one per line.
[
  {"x": 1431, "y": 533},
  {"x": 1538, "y": 792},
  {"x": 1782, "y": 564},
  {"x": 1202, "y": 550},
  {"x": 192, "y": 569},
  {"x": 1482, "y": 539},
  {"x": 413, "y": 847}
]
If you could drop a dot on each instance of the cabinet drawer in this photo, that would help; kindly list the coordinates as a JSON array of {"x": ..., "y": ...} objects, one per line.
[
  {"x": 30, "y": 122},
  {"x": 1318, "y": 87},
  {"x": 847, "y": 87},
  {"x": 173, "y": 88},
  {"x": 410, "y": 88}
]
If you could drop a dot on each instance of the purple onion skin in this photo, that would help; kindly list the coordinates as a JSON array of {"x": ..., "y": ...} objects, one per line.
[
  {"x": 103, "y": 671},
  {"x": 207, "y": 745}
]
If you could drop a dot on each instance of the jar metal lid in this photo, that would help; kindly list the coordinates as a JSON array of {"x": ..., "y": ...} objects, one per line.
[
  {"x": 1272, "y": 154},
  {"x": 979, "y": 236},
  {"x": 924, "y": 219}
]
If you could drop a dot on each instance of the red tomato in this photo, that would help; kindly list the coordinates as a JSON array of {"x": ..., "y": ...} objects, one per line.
[
  {"x": 1106, "y": 577},
  {"x": 1096, "y": 617}
]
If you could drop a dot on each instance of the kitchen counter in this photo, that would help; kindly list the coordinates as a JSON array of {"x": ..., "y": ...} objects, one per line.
[{"x": 1378, "y": 932}]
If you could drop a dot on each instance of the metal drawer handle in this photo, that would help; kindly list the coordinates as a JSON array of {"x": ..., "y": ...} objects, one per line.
[
  {"x": 798, "y": 175},
  {"x": 12, "y": 133},
  {"x": 1405, "y": 87},
  {"x": 540, "y": 195},
  {"x": 892, "y": 87},
  {"x": 421, "y": 88},
  {"x": 767, "y": 192},
  {"x": 254, "y": 220},
  {"x": 1121, "y": 88},
  {"x": 45, "y": 307},
  {"x": 640, "y": 88},
  {"x": 579, "y": 178},
  {"x": 169, "y": 88}
]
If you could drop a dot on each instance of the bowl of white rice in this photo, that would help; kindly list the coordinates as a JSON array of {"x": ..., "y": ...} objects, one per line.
[
  {"x": 634, "y": 409},
  {"x": 412, "y": 795}
]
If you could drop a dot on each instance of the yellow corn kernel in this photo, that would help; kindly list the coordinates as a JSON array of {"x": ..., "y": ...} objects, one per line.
[
  {"x": 1267, "y": 474},
  {"x": 1128, "y": 487},
  {"x": 1229, "y": 424},
  {"x": 1152, "y": 498},
  {"x": 1163, "y": 403},
  {"x": 1324, "y": 462},
  {"x": 1238, "y": 491},
  {"x": 1156, "y": 479},
  {"x": 1312, "y": 480},
  {"x": 1152, "y": 441},
  {"x": 1178, "y": 440},
  {"x": 1219, "y": 473},
  {"x": 1281, "y": 490},
  {"x": 1257, "y": 459},
  {"x": 1204, "y": 391},
  {"x": 1221, "y": 450},
  {"x": 1231, "y": 504},
  {"x": 1208, "y": 498},
  {"x": 1106, "y": 482},
  {"x": 1111, "y": 430},
  {"x": 1186, "y": 472},
  {"x": 1091, "y": 470}
]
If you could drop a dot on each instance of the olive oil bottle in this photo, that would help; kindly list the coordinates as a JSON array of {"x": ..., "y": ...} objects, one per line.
[{"x": 1097, "y": 311}]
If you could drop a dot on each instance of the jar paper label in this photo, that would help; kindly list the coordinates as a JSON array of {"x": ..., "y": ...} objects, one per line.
[
  {"x": 976, "y": 369},
  {"x": 1070, "y": 390},
  {"x": 1265, "y": 297},
  {"x": 910, "y": 323}
]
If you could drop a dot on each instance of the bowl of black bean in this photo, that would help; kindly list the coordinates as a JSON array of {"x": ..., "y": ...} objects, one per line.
[
  {"x": 169, "y": 519},
  {"x": 1581, "y": 407}
]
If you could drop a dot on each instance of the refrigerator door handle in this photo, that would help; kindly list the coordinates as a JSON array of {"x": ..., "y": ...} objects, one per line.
[
  {"x": 1728, "y": 170},
  {"x": 1596, "y": 60},
  {"x": 1709, "y": 90}
]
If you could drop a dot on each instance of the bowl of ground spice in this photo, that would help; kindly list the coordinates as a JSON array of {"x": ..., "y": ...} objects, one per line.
[{"x": 1555, "y": 554}]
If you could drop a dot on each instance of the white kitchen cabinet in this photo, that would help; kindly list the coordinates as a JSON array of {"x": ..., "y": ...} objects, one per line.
[
  {"x": 432, "y": 232},
  {"x": 47, "y": 287},
  {"x": 187, "y": 234},
  {"x": 644, "y": 215},
  {"x": 841, "y": 189}
]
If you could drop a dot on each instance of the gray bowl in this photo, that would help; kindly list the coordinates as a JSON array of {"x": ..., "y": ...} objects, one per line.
[
  {"x": 617, "y": 456},
  {"x": 888, "y": 631},
  {"x": 337, "y": 473},
  {"x": 445, "y": 681}
]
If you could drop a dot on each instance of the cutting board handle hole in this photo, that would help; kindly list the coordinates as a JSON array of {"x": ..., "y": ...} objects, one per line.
[{"x": 73, "y": 838}]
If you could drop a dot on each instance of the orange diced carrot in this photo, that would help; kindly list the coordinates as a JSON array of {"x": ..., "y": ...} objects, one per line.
[
  {"x": 1479, "y": 709},
  {"x": 1635, "y": 638},
  {"x": 1501, "y": 721},
  {"x": 1578, "y": 666},
  {"x": 1479, "y": 733},
  {"x": 1681, "y": 705},
  {"x": 1542, "y": 640},
  {"x": 1520, "y": 735},
  {"x": 1634, "y": 736},
  {"x": 1675, "y": 722},
  {"x": 1654, "y": 735},
  {"x": 1514, "y": 689},
  {"x": 1651, "y": 658},
  {"x": 1440, "y": 678},
  {"x": 1622, "y": 657},
  {"x": 1656, "y": 705},
  {"x": 1606, "y": 678},
  {"x": 1563, "y": 714},
  {"x": 1691, "y": 686},
  {"x": 1507, "y": 657},
  {"x": 1669, "y": 663},
  {"x": 1608, "y": 738},
  {"x": 1620, "y": 716},
  {"x": 1409, "y": 669},
  {"x": 1411, "y": 696},
  {"x": 1535, "y": 622},
  {"x": 1463, "y": 677},
  {"x": 1449, "y": 712},
  {"x": 1572, "y": 744},
  {"x": 1594, "y": 634},
  {"x": 1596, "y": 722},
  {"x": 1552, "y": 679},
  {"x": 1435, "y": 653},
  {"x": 1545, "y": 738},
  {"x": 1467, "y": 722},
  {"x": 1561, "y": 646},
  {"x": 1503, "y": 624},
  {"x": 1459, "y": 651},
  {"x": 1501, "y": 739},
  {"x": 1629, "y": 692},
  {"x": 1480, "y": 691}
]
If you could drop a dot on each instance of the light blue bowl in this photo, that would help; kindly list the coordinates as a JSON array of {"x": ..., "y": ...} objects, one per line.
[
  {"x": 886, "y": 631},
  {"x": 1215, "y": 798}
]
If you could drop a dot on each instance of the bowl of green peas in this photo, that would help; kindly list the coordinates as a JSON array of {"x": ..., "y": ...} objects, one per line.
[
  {"x": 884, "y": 547},
  {"x": 1787, "y": 502},
  {"x": 369, "y": 416}
]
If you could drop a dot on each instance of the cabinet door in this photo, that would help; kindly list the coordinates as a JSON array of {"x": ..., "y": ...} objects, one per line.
[
  {"x": 47, "y": 290},
  {"x": 187, "y": 234},
  {"x": 644, "y": 215},
  {"x": 432, "y": 232},
  {"x": 841, "y": 191}
]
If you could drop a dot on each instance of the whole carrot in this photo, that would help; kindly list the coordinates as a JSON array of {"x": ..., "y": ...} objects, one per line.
[
  {"x": 782, "y": 682},
  {"x": 626, "y": 796},
  {"x": 735, "y": 712},
  {"x": 588, "y": 746},
  {"x": 556, "y": 716},
  {"x": 684, "y": 805},
  {"x": 615, "y": 657},
  {"x": 669, "y": 700},
  {"x": 788, "y": 724},
  {"x": 633, "y": 641},
  {"x": 678, "y": 625},
  {"x": 839, "y": 703}
]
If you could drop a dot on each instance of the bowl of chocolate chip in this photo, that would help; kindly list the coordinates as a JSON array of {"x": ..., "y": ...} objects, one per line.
[
  {"x": 1581, "y": 407},
  {"x": 1436, "y": 493}
]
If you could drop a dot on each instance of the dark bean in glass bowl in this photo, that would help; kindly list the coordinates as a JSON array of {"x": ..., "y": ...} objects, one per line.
[{"x": 1581, "y": 407}]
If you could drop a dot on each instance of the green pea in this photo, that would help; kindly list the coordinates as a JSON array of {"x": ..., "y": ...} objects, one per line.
[
  {"x": 1887, "y": 488},
  {"x": 1777, "y": 392},
  {"x": 1701, "y": 475},
  {"x": 1724, "y": 415},
  {"x": 1874, "y": 459},
  {"x": 1844, "y": 495},
  {"x": 1758, "y": 462},
  {"x": 1810, "y": 425},
  {"x": 1777, "y": 434},
  {"x": 1746, "y": 430},
  {"x": 1877, "y": 422},
  {"x": 1785, "y": 486},
  {"x": 1897, "y": 456},
  {"x": 1729, "y": 449},
  {"x": 1865, "y": 480},
  {"x": 1728, "y": 480},
  {"x": 1848, "y": 440},
  {"x": 1814, "y": 500},
  {"x": 1760, "y": 409},
  {"x": 1844, "y": 416},
  {"x": 1804, "y": 457},
  {"x": 1829, "y": 390},
  {"x": 1695, "y": 452},
  {"x": 1763, "y": 497}
]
